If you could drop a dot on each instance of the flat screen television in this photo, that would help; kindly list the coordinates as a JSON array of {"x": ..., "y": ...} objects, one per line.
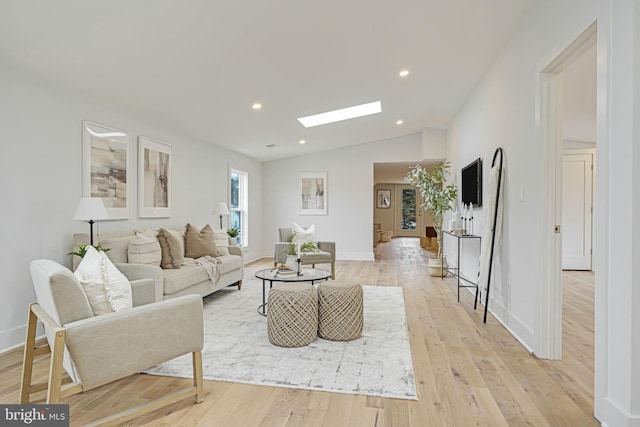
[{"x": 472, "y": 183}]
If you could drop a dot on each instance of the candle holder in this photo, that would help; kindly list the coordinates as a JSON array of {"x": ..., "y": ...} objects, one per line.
[{"x": 299, "y": 261}]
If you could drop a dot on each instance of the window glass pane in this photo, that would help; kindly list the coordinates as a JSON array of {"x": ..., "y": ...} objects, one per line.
[
  {"x": 409, "y": 209},
  {"x": 235, "y": 190}
]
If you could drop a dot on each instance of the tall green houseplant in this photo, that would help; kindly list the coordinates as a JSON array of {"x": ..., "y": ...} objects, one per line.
[{"x": 435, "y": 192}]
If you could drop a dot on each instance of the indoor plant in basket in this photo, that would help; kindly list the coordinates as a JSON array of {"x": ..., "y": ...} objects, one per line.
[{"x": 437, "y": 196}]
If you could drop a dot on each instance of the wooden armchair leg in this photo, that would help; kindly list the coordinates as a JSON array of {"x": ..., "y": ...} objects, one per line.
[
  {"x": 197, "y": 376},
  {"x": 333, "y": 270},
  {"x": 27, "y": 362},
  {"x": 55, "y": 368}
]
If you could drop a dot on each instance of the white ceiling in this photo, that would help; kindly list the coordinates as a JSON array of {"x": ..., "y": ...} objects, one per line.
[{"x": 197, "y": 66}]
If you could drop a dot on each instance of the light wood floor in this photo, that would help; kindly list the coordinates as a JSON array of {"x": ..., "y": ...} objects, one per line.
[{"x": 467, "y": 373}]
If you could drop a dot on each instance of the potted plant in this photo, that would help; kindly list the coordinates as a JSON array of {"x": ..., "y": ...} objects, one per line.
[
  {"x": 292, "y": 253},
  {"x": 437, "y": 196},
  {"x": 233, "y": 236},
  {"x": 82, "y": 250}
]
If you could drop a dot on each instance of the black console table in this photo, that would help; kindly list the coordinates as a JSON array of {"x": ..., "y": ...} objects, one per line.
[{"x": 456, "y": 271}]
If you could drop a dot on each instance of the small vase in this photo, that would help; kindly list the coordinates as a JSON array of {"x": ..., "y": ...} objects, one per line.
[
  {"x": 233, "y": 241},
  {"x": 437, "y": 266},
  {"x": 292, "y": 262}
]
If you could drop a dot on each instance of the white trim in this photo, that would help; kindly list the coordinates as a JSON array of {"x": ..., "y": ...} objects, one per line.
[
  {"x": 15, "y": 338},
  {"x": 355, "y": 256}
]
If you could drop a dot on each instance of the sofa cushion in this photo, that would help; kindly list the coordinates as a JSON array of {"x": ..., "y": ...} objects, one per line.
[
  {"x": 144, "y": 248},
  {"x": 313, "y": 257},
  {"x": 106, "y": 288},
  {"x": 199, "y": 243},
  {"x": 184, "y": 277},
  {"x": 221, "y": 239},
  {"x": 118, "y": 248},
  {"x": 229, "y": 263},
  {"x": 172, "y": 248}
]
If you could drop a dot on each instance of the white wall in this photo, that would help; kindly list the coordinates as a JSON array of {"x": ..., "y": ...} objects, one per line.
[
  {"x": 502, "y": 112},
  {"x": 350, "y": 193},
  {"x": 40, "y": 168}
]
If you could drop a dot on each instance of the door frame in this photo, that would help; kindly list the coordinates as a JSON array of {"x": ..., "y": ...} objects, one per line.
[{"x": 549, "y": 109}]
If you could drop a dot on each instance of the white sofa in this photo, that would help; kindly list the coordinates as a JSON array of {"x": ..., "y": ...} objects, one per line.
[{"x": 170, "y": 283}]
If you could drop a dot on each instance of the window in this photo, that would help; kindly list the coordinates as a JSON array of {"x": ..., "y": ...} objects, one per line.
[{"x": 239, "y": 205}]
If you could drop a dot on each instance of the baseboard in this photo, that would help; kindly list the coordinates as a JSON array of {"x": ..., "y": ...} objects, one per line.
[
  {"x": 14, "y": 338},
  {"x": 614, "y": 415},
  {"x": 355, "y": 256},
  {"x": 512, "y": 324}
]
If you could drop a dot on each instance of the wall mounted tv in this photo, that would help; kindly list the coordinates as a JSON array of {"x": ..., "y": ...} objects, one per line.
[{"x": 472, "y": 183}]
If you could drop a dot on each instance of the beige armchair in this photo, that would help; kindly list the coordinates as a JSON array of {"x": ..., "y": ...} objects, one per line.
[
  {"x": 96, "y": 350},
  {"x": 327, "y": 254}
]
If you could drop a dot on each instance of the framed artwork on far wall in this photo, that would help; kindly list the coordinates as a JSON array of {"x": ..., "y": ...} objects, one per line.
[
  {"x": 154, "y": 178},
  {"x": 106, "y": 167},
  {"x": 383, "y": 199},
  {"x": 312, "y": 193}
]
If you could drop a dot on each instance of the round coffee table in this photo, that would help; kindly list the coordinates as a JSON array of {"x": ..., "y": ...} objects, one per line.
[{"x": 273, "y": 275}]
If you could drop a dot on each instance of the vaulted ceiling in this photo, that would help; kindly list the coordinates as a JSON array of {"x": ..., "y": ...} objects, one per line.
[{"x": 197, "y": 66}]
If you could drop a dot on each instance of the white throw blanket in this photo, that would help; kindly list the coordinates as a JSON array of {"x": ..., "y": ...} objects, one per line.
[
  {"x": 209, "y": 263},
  {"x": 487, "y": 230}
]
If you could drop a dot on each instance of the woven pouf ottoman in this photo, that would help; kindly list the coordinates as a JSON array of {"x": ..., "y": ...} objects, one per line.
[
  {"x": 292, "y": 317},
  {"x": 340, "y": 310}
]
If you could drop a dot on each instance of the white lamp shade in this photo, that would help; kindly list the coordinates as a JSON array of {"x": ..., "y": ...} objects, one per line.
[
  {"x": 91, "y": 208},
  {"x": 220, "y": 208}
]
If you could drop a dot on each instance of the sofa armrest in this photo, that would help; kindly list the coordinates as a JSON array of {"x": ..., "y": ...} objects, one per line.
[
  {"x": 144, "y": 291},
  {"x": 144, "y": 271},
  {"x": 236, "y": 250},
  {"x": 328, "y": 247},
  {"x": 111, "y": 346},
  {"x": 280, "y": 252}
]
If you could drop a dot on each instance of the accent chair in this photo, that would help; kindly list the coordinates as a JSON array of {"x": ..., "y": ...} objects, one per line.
[
  {"x": 327, "y": 254},
  {"x": 96, "y": 350}
]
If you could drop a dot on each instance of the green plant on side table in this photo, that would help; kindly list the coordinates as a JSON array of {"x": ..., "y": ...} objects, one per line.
[
  {"x": 233, "y": 234},
  {"x": 82, "y": 250},
  {"x": 437, "y": 196}
]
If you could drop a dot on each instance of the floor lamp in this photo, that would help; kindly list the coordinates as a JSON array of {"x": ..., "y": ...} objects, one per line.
[
  {"x": 220, "y": 208},
  {"x": 91, "y": 209}
]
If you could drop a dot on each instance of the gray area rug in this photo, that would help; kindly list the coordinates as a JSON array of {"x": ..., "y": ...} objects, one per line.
[{"x": 237, "y": 348}]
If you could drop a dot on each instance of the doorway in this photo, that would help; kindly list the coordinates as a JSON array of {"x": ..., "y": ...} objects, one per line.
[
  {"x": 554, "y": 116},
  {"x": 409, "y": 213}
]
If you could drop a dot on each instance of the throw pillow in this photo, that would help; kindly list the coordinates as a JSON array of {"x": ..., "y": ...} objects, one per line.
[
  {"x": 221, "y": 239},
  {"x": 171, "y": 247},
  {"x": 144, "y": 248},
  {"x": 198, "y": 243},
  {"x": 118, "y": 247},
  {"x": 106, "y": 288},
  {"x": 302, "y": 236}
]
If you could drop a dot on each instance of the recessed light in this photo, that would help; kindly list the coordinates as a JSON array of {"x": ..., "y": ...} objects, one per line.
[
  {"x": 342, "y": 114},
  {"x": 256, "y": 106},
  {"x": 403, "y": 73},
  {"x": 302, "y": 141},
  {"x": 399, "y": 122}
]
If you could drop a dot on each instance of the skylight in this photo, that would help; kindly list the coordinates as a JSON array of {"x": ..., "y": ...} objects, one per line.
[{"x": 342, "y": 114}]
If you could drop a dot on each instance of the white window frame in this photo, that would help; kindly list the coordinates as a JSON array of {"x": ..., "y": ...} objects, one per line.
[{"x": 243, "y": 203}]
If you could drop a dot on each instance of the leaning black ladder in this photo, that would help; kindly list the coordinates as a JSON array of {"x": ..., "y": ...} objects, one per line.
[{"x": 495, "y": 220}]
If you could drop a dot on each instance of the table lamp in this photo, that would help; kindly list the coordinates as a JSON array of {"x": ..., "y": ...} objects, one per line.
[
  {"x": 220, "y": 208},
  {"x": 91, "y": 209}
]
